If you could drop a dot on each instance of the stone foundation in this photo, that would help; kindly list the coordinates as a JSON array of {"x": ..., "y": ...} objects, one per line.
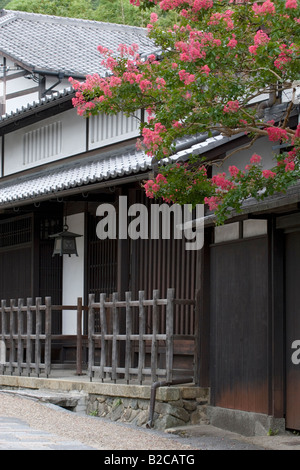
[{"x": 174, "y": 406}]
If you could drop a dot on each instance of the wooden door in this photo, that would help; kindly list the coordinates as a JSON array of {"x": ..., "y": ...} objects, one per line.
[
  {"x": 239, "y": 325},
  {"x": 292, "y": 285}
]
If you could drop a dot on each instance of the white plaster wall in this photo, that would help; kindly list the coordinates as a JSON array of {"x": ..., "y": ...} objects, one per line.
[
  {"x": 16, "y": 103},
  {"x": 73, "y": 275},
  {"x": 73, "y": 141},
  {"x": 262, "y": 147}
]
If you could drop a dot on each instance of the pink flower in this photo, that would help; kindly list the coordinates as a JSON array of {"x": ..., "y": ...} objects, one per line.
[
  {"x": 261, "y": 38},
  {"x": 186, "y": 77},
  {"x": 145, "y": 85},
  {"x": 212, "y": 202},
  {"x": 255, "y": 158},
  {"x": 231, "y": 107},
  {"x": 233, "y": 170},
  {"x": 291, "y": 4},
  {"x": 205, "y": 69},
  {"x": 276, "y": 133},
  {"x": 253, "y": 50},
  {"x": 153, "y": 17},
  {"x": 161, "y": 83},
  {"x": 155, "y": 187},
  {"x": 205, "y": 4},
  {"x": 221, "y": 181},
  {"x": 233, "y": 42},
  {"x": 161, "y": 178},
  {"x": 265, "y": 8},
  {"x": 268, "y": 174},
  {"x": 290, "y": 166}
]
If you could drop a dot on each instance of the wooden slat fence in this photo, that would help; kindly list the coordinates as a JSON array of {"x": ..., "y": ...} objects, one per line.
[
  {"x": 134, "y": 340},
  {"x": 129, "y": 339},
  {"x": 23, "y": 330}
]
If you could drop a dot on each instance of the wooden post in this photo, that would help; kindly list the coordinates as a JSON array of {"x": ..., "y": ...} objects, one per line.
[
  {"x": 154, "y": 340},
  {"x": 79, "y": 337},
  {"x": 3, "y": 332},
  {"x": 128, "y": 335},
  {"x": 37, "y": 335},
  {"x": 29, "y": 333},
  {"x": 115, "y": 355},
  {"x": 11, "y": 332},
  {"x": 91, "y": 331},
  {"x": 169, "y": 334},
  {"x": 20, "y": 341},
  {"x": 48, "y": 336},
  {"x": 197, "y": 338},
  {"x": 103, "y": 326},
  {"x": 142, "y": 323}
]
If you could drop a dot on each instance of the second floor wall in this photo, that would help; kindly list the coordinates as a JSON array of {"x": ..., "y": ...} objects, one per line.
[{"x": 64, "y": 135}]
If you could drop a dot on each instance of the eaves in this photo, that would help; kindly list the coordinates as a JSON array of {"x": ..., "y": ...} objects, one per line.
[{"x": 36, "y": 111}]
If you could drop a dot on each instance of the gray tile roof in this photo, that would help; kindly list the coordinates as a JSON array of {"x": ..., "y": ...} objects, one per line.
[
  {"x": 50, "y": 43},
  {"x": 97, "y": 169},
  {"x": 48, "y": 101},
  {"x": 79, "y": 174}
]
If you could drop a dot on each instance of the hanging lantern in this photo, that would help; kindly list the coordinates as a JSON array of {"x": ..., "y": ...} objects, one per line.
[{"x": 65, "y": 242}]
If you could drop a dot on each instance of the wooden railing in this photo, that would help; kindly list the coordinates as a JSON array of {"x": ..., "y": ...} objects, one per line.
[
  {"x": 128, "y": 339},
  {"x": 143, "y": 345},
  {"x": 23, "y": 329}
]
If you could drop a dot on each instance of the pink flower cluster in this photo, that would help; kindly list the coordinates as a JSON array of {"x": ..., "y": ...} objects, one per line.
[
  {"x": 152, "y": 138},
  {"x": 222, "y": 182},
  {"x": 232, "y": 42},
  {"x": 266, "y": 8},
  {"x": 153, "y": 186},
  {"x": 212, "y": 202},
  {"x": 205, "y": 69},
  {"x": 231, "y": 107},
  {"x": 268, "y": 174},
  {"x": 234, "y": 171},
  {"x": 260, "y": 39},
  {"x": 91, "y": 83},
  {"x": 186, "y": 77},
  {"x": 291, "y": 4},
  {"x": 195, "y": 47},
  {"x": 195, "y": 5},
  {"x": 284, "y": 57},
  {"x": 216, "y": 18},
  {"x": 255, "y": 158},
  {"x": 276, "y": 133}
]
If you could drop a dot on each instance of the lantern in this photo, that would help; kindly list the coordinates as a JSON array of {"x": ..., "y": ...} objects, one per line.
[{"x": 65, "y": 242}]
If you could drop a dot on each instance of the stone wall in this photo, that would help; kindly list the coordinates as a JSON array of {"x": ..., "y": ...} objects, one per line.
[{"x": 174, "y": 406}]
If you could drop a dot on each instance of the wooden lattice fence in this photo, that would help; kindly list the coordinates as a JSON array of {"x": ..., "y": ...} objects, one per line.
[
  {"x": 127, "y": 339},
  {"x": 143, "y": 345}
]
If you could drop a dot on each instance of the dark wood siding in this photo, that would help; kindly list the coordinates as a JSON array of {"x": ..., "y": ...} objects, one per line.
[
  {"x": 292, "y": 330},
  {"x": 239, "y": 325},
  {"x": 16, "y": 276}
]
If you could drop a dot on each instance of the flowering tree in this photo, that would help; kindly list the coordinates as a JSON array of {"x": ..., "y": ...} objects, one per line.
[{"x": 219, "y": 60}]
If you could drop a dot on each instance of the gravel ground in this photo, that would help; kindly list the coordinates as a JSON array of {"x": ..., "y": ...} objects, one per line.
[{"x": 92, "y": 431}]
